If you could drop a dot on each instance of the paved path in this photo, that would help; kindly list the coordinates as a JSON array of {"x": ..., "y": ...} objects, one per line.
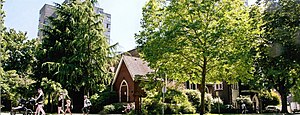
[{"x": 49, "y": 114}]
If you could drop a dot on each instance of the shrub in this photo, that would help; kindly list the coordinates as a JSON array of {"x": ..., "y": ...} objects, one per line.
[
  {"x": 99, "y": 100},
  {"x": 174, "y": 96},
  {"x": 194, "y": 96},
  {"x": 269, "y": 98},
  {"x": 187, "y": 108},
  {"x": 175, "y": 102},
  {"x": 217, "y": 104},
  {"x": 245, "y": 99},
  {"x": 109, "y": 108},
  {"x": 115, "y": 108},
  {"x": 151, "y": 105}
]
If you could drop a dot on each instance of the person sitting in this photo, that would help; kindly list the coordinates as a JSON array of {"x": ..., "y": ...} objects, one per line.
[{"x": 127, "y": 108}]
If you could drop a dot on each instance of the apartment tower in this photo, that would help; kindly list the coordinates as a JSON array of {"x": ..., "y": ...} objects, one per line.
[{"x": 49, "y": 10}]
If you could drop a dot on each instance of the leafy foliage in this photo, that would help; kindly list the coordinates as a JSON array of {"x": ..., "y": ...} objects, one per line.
[
  {"x": 277, "y": 58},
  {"x": 115, "y": 108},
  {"x": 17, "y": 58},
  {"x": 19, "y": 52},
  {"x": 15, "y": 87},
  {"x": 74, "y": 50},
  {"x": 192, "y": 40},
  {"x": 269, "y": 98},
  {"x": 217, "y": 103},
  {"x": 194, "y": 96},
  {"x": 52, "y": 90},
  {"x": 2, "y": 49},
  {"x": 102, "y": 99},
  {"x": 295, "y": 94},
  {"x": 245, "y": 100},
  {"x": 2, "y": 15},
  {"x": 175, "y": 102}
]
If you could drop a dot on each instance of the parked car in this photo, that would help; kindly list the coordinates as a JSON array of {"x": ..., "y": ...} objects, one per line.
[{"x": 272, "y": 109}]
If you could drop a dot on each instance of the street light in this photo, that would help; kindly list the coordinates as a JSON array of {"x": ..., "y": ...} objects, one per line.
[{"x": 164, "y": 90}]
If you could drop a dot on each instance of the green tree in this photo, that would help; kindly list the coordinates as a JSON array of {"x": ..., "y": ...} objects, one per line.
[
  {"x": 74, "y": 50},
  {"x": 19, "y": 60},
  {"x": 1, "y": 43},
  {"x": 295, "y": 94},
  {"x": 15, "y": 62},
  {"x": 269, "y": 98},
  {"x": 15, "y": 87},
  {"x": 277, "y": 60},
  {"x": 20, "y": 52},
  {"x": 17, "y": 65},
  {"x": 199, "y": 40},
  {"x": 52, "y": 90}
]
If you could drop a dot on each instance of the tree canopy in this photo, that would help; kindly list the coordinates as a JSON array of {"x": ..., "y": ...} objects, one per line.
[
  {"x": 193, "y": 40},
  {"x": 16, "y": 58},
  {"x": 277, "y": 61},
  {"x": 74, "y": 50}
]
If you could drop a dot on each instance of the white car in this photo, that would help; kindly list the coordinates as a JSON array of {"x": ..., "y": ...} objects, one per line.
[{"x": 272, "y": 109}]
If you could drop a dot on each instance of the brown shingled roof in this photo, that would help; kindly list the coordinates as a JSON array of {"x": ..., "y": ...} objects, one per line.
[{"x": 136, "y": 66}]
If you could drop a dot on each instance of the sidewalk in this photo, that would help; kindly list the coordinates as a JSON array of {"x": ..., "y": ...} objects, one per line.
[{"x": 5, "y": 113}]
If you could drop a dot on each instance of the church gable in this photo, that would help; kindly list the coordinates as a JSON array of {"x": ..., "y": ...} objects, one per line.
[{"x": 124, "y": 85}]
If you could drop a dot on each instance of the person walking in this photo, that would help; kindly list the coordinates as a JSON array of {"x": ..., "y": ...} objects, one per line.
[
  {"x": 244, "y": 108},
  {"x": 40, "y": 102},
  {"x": 68, "y": 107},
  {"x": 86, "y": 105},
  {"x": 60, "y": 103}
]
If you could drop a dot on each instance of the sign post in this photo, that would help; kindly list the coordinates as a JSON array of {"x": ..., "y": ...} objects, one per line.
[{"x": 164, "y": 90}]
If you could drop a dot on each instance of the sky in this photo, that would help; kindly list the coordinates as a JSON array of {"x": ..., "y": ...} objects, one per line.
[{"x": 23, "y": 15}]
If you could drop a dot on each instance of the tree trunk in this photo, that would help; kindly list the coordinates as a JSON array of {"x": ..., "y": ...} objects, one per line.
[
  {"x": 77, "y": 97},
  {"x": 49, "y": 104},
  {"x": 283, "y": 96},
  {"x": 52, "y": 103},
  {"x": 202, "y": 90}
]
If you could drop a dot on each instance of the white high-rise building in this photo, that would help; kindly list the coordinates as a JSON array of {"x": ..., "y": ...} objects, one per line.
[{"x": 49, "y": 10}]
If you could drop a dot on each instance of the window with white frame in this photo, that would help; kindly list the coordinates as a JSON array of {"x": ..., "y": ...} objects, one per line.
[
  {"x": 218, "y": 86},
  {"x": 235, "y": 86}
]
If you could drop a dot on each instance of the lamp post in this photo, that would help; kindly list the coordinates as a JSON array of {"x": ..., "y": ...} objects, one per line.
[{"x": 164, "y": 90}]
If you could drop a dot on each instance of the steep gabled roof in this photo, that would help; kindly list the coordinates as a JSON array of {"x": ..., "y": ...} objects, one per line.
[{"x": 135, "y": 66}]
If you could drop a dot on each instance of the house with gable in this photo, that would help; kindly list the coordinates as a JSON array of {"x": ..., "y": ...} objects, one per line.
[
  {"x": 124, "y": 82},
  {"x": 225, "y": 91}
]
